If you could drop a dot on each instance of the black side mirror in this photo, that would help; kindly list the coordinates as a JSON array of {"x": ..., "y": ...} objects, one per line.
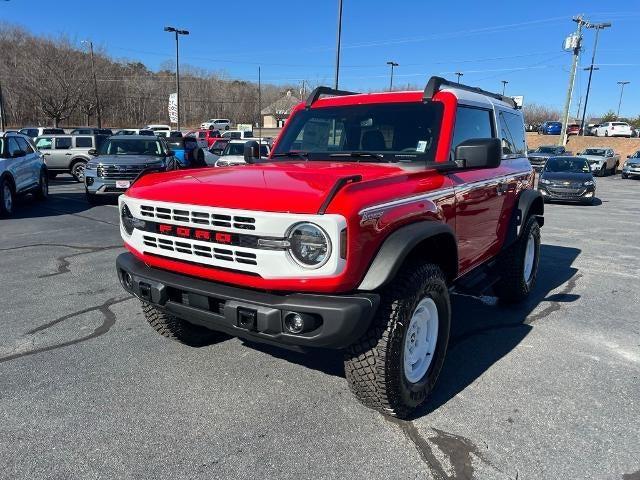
[
  {"x": 18, "y": 154},
  {"x": 251, "y": 151},
  {"x": 479, "y": 153},
  {"x": 93, "y": 152}
]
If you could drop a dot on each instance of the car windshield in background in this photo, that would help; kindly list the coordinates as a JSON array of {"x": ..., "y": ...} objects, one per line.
[
  {"x": 570, "y": 165},
  {"x": 546, "y": 150},
  {"x": 122, "y": 146},
  {"x": 238, "y": 149},
  {"x": 594, "y": 151},
  {"x": 554, "y": 124},
  {"x": 394, "y": 132}
]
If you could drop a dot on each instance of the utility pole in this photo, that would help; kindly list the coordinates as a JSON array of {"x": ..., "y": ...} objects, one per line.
[
  {"x": 177, "y": 32},
  {"x": 95, "y": 83},
  {"x": 598, "y": 27},
  {"x": 393, "y": 64},
  {"x": 459, "y": 74},
  {"x": 575, "y": 45},
  {"x": 3, "y": 122},
  {"x": 622, "y": 84},
  {"x": 338, "y": 43},
  {"x": 504, "y": 85}
]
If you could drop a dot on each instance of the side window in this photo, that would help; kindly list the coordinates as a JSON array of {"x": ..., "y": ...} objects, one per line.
[
  {"x": 512, "y": 134},
  {"x": 44, "y": 144},
  {"x": 63, "y": 143},
  {"x": 471, "y": 123},
  {"x": 83, "y": 142},
  {"x": 24, "y": 145},
  {"x": 14, "y": 149}
]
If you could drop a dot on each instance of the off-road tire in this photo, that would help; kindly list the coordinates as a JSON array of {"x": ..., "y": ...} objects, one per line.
[
  {"x": 374, "y": 365},
  {"x": 75, "y": 168},
  {"x": 512, "y": 287},
  {"x": 175, "y": 328},
  {"x": 6, "y": 186},
  {"x": 42, "y": 191}
]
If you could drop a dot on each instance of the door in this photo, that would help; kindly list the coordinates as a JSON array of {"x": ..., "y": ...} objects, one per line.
[
  {"x": 16, "y": 163},
  {"x": 61, "y": 154},
  {"x": 479, "y": 192},
  {"x": 31, "y": 161}
]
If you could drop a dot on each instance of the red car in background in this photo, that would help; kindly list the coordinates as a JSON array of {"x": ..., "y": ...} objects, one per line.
[
  {"x": 206, "y": 137},
  {"x": 573, "y": 129}
]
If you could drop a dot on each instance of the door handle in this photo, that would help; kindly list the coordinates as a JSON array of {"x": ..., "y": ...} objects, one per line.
[
  {"x": 67, "y": 154},
  {"x": 47, "y": 154}
]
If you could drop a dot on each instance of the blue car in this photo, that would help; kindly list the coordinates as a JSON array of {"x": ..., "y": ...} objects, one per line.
[
  {"x": 550, "y": 128},
  {"x": 22, "y": 170},
  {"x": 187, "y": 152}
]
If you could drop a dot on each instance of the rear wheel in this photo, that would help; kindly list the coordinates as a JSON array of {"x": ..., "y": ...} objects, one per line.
[
  {"x": 77, "y": 170},
  {"x": 393, "y": 368},
  {"x": 6, "y": 197},
  {"x": 43, "y": 186},
  {"x": 175, "y": 328},
  {"x": 518, "y": 265},
  {"x": 603, "y": 170}
]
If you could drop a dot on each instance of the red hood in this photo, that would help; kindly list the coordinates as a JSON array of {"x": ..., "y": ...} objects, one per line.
[{"x": 275, "y": 187}]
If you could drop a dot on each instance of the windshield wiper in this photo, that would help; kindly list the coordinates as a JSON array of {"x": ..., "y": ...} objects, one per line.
[
  {"x": 293, "y": 153},
  {"x": 359, "y": 154}
]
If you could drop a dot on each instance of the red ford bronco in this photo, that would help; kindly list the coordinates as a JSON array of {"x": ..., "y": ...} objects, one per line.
[{"x": 369, "y": 211}]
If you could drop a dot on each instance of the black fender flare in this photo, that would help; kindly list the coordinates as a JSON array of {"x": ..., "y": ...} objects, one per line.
[
  {"x": 399, "y": 245},
  {"x": 529, "y": 203}
]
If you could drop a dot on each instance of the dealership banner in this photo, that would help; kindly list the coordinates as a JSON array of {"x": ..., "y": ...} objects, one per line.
[{"x": 173, "y": 108}]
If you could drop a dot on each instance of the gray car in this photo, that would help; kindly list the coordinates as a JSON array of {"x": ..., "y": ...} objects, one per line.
[
  {"x": 22, "y": 170},
  {"x": 602, "y": 160},
  {"x": 632, "y": 165},
  {"x": 68, "y": 153},
  {"x": 538, "y": 157},
  {"x": 120, "y": 160}
]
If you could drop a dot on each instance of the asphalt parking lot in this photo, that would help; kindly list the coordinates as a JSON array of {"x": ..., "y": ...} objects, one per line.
[{"x": 548, "y": 389}]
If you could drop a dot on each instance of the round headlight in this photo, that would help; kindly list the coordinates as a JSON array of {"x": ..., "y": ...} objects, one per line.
[
  {"x": 310, "y": 246},
  {"x": 127, "y": 219}
]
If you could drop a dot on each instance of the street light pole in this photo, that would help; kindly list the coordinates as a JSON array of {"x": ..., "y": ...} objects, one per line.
[
  {"x": 339, "y": 35},
  {"x": 598, "y": 27},
  {"x": 504, "y": 85},
  {"x": 95, "y": 84},
  {"x": 177, "y": 32},
  {"x": 622, "y": 84},
  {"x": 459, "y": 74},
  {"x": 393, "y": 64}
]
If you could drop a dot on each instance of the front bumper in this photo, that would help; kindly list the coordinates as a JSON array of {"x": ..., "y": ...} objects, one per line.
[
  {"x": 102, "y": 186},
  {"x": 340, "y": 319},
  {"x": 581, "y": 194},
  {"x": 627, "y": 170}
]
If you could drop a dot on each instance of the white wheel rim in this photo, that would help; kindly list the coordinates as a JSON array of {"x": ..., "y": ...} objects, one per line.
[
  {"x": 8, "y": 200},
  {"x": 529, "y": 257},
  {"x": 420, "y": 340},
  {"x": 78, "y": 170}
]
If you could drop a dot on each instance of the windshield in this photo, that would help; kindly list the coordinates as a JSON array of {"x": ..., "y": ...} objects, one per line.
[
  {"x": 594, "y": 151},
  {"x": 238, "y": 149},
  {"x": 546, "y": 150},
  {"x": 572, "y": 165},
  {"x": 132, "y": 146},
  {"x": 397, "y": 132}
]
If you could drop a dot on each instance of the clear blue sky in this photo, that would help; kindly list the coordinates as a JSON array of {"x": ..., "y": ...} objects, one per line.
[{"x": 295, "y": 40}]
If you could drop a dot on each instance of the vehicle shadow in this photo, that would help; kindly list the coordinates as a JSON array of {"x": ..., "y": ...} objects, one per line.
[
  {"x": 66, "y": 197},
  {"x": 483, "y": 330}
]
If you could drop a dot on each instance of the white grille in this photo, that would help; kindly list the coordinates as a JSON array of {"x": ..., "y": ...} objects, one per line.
[{"x": 198, "y": 217}]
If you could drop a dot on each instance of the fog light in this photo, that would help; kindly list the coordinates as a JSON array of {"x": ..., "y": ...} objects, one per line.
[
  {"x": 128, "y": 281},
  {"x": 294, "y": 323},
  {"x": 89, "y": 180}
]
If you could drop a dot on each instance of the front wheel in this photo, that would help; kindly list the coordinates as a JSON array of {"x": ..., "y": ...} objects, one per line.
[
  {"x": 175, "y": 328},
  {"x": 603, "y": 170},
  {"x": 518, "y": 265},
  {"x": 6, "y": 198},
  {"x": 625, "y": 175},
  {"x": 393, "y": 368}
]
